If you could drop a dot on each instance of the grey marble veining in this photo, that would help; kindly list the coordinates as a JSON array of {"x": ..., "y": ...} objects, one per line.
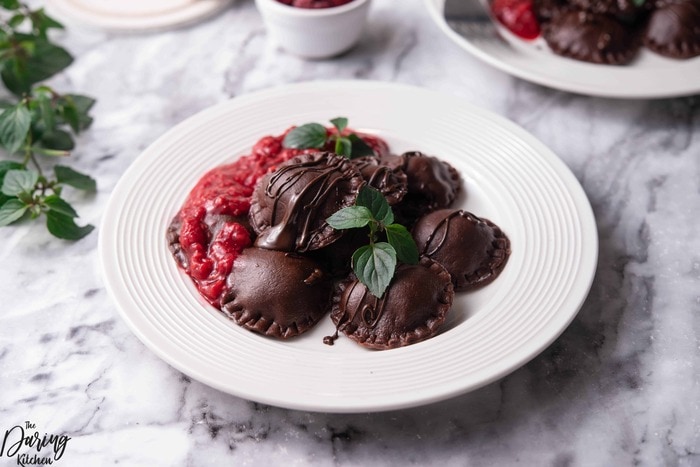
[{"x": 620, "y": 387}]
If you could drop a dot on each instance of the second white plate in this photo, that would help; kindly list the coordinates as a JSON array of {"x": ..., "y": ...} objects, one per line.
[
  {"x": 135, "y": 15},
  {"x": 649, "y": 76},
  {"x": 509, "y": 177}
]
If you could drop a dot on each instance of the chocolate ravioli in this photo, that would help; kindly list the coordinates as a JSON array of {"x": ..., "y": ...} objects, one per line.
[
  {"x": 389, "y": 181},
  {"x": 411, "y": 310},
  {"x": 674, "y": 29},
  {"x": 290, "y": 206},
  {"x": 626, "y": 10},
  {"x": 432, "y": 184},
  {"x": 591, "y": 37},
  {"x": 276, "y": 293},
  {"x": 473, "y": 250}
]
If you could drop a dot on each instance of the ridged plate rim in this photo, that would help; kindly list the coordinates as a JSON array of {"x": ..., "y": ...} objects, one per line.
[
  {"x": 651, "y": 77},
  {"x": 519, "y": 183}
]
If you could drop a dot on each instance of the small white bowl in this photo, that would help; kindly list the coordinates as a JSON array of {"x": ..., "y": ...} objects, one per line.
[{"x": 314, "y": 33}]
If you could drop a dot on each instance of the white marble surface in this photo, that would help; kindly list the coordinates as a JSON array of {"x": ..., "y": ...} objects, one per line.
[{"x": 620, "y": 387}]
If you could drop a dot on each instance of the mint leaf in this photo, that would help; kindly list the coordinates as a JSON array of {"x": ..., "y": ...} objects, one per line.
[
  {"x": 376, "y": 203},
  {"x": 47, "y": 60},
  {"x": 343, "y": 147},
  {"x": 374, "y": 266},
  {"x": 58, "y": 139},
  {"x": 82, "y": 105},
  {"x": 16, "y": 20},
  {"x": 5, "y": 166},
  {"x": 11, "y": 210},
  {"x": 638, "y": 2},
  {"x": 57, "y": 204},
  {"x": 350, "y": 218},
  {"x": 71, "y": 116},
  {"x": 41, "y": 22},
  {"x": 359, "y": 147},
  {"x": 63, "y": 226},
  {"x": 71, "y": 177},
  {"x": 340, "y": 123},
  {"x": 14, "y": 126},
  {"x": 39, "y": 61},
  {"x": 9, "y": 4},
  {"x": 310, "y": 135},
  {"x": 15, "y": 77},
  {"x": 19, "y": 181},
  {"x": 403, "y": 243},
  {"x": 46, "y": 111}
]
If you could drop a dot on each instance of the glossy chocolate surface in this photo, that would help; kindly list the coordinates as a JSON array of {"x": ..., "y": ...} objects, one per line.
[
  {"x": 591, "y": 37},
  {"x": 276, "y": 293},
  {"x": 411, "y": 310},
  {"x": 389, "y": 181},
  {"x": 290, "y": 206},
  {"x": 432, "y": 184},
  {"x": 473, "y": 250}
]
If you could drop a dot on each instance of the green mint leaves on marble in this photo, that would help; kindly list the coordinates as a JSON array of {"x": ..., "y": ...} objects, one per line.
[
  {"x": 39, "y": 126},
  {"x": 315, "y": 136},
  {"x": 374, "y": 264},
  {"x": 25, "y": 192}
]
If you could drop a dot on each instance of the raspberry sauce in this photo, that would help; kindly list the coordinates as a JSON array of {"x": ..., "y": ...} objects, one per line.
[{"x": 211, "y": 229}]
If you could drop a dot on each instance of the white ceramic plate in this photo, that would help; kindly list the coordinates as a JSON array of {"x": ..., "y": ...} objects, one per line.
[
  {"x": 509, "y": 177},
  {"x": 134, "y": 15},
  {"x": 649, "y": 76}
]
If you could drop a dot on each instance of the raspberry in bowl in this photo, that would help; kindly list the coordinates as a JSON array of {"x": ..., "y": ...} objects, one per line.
[
  {"x": 314, "y": 29},
  {"x": 314, "y": 3}
]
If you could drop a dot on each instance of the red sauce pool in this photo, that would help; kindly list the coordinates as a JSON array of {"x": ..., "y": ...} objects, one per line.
[
  {"x": 314, "y": 3},
  {"x": 212, "y": 227}
]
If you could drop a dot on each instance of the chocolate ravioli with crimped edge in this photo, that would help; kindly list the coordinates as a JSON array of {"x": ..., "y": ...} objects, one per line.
[
  {"x": 472, "y": 249},
  {"x": 591, "y": 37},
  {"x": 290, "y": 206},
  {"x": 411, "y": 309},
  {"x": 432, "y": 184},
  {"x": 276, "y": 293},
  {"x": 674, "y": 29},
  {"x": 389, "y": 181}
]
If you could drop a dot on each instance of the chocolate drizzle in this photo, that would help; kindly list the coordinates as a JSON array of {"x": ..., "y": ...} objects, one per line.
[
  {"x": 370, "y": 312},
  {"x": 290, "y": 205},
  {"x": 390, "y": 181},
  {"x": 412, "y": 308},
  {"x": 473, "y": 250},
  {"x": 443, "y": 227}
]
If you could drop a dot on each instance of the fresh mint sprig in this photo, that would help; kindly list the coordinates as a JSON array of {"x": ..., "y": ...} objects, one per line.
[
  {"x": 40, "y": 123},
  {"x": 375, "y": 264},
  {"x": 315, "y": 136},
  {"x": 24, "y": 191}
]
